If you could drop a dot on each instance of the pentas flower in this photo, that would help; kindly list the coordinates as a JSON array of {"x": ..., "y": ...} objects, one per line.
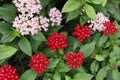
[
  {"x": 7, "y": 72},
  {"x": 39, "y": 63},
  {"x": 97, "y": 24},
  {"x": 55, "y": 16},
  {"x": 28, "y": 7},
  {"x": 74, "y": 60},
  {"x": 82, "y": 32},
  {"x": 57, "y": 41},
  {"x": 26, "y": 22},
  {"x": 28, "y": 26},
  {"x": 110, "y": 28}
]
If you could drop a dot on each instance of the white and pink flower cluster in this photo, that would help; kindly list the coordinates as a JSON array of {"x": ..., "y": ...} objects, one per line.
[
  {"x": 29, "y": 21},
  {"x": 97, "y": 24},
  {"x": 55, "y": 16}
]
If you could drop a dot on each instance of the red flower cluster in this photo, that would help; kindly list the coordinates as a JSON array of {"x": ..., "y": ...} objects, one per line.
[
  {"x": 74, "y": 60},
  {"x": 57, "y": 41},
  {"x": 110, "y": 28},
  {"x": 82, "y": 32},
  {"x": 39, "y": 63},
  {"x": 7, "y": 72}
]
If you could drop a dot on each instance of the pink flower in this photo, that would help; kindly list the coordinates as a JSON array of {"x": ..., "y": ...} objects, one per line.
[
  {"x": 55, "y": 16},
  {"x": 97, "y": 24}
]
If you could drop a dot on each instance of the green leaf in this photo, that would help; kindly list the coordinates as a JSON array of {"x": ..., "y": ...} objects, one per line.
[
  {"x": 6, "y": 51},
  {"x": 10, "y": 7},
  {"x": 116, "y": 74},
  {"x": 88, "y": 49},
  {"x": 96, "y": 1},
  {"x": 25, "y": 46},
  {"x": 102, "y": 73},
  {"x": 62, "y": 67},
  {"x": 83, "y": 19},
  {"x": 5, "y": 27},
  {"x": 118, "y": 63},
  {"x": 56, "y": 76},
  {"x": 71, "y": 5},
  {"x": 7, "y": 14},
  {"x": 116, "y": 51},
  {"x": 99, "y": 57},
  {"x": 76, "y": 44},
  {"x": 53, "y": 29},
  {"x": 45, "y": 2},
  {"x": 94, "y": 66},
  {"x": 102, "y": 40},
  {"x": 29, "y": 75},
  {"x": 35, "y": 44},
  {"x": 53, "y": 63},
  {"x": 82, "y": 76},
  {"x": 40, "y": 37},
  {"x": 103, "y": 2},
  {"x": 73, "y": 14},
  {"x": 68, "y": 78},
  {"x": 90, "y": 11},
  {"x": 9, "y": 37}
]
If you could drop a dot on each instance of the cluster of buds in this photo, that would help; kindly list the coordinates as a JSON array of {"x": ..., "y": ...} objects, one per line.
[
  {"x": 74, "y": 60},
  {"x": 57, "y": 41},
  {"x": 7, "y": 72},
  {"x": 39, "y": 63},
  {"x": 82, "y": 32}
]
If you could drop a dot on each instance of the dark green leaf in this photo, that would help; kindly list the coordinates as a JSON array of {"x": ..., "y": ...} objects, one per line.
[
  {"x": 5, "y": 27},
  {"x": 28, "y": 75},
  {"x": 88, "y": 49},
  {"x": 94, "y": 66},
  {"x": 10, "y": 7},
  {"x": 6, "y": 51},
  {"x": 53, "y": 63},
  {"x": 116, "y": 51},
  {"x": 9, "y": 37},
  {"x": 62, "y": 67},
  {"x": 73, "y": 14},
  {"x": 45, "y": 2},
  {"x": 102, "y": 40},
  {"x": 102, "y": 73},
  {"x": 39, "y": 37},
  {"x": 7, "y": 14},
  {"x": 25, "y": 46}
]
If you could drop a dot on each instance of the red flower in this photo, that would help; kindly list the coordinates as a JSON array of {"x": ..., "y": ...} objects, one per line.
[
  {"x": 82, "y": 32},
  {"x": 74, "y": 60},
  {"x": 57, "y": 41},
  {"x": 110, "y": 28},
  {"x": 7, "y": 72},
  {"x": 39, "y": 63}
]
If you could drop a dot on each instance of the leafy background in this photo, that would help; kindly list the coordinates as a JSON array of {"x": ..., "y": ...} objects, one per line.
[{"x": 102, "y": 54}]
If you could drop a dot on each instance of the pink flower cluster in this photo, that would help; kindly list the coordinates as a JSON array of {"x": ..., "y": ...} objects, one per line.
[
  {"x": 28, "y": 7},
  {"x": 97, "y": 24},
  {"x": 29, "y": 21},
  {"x": 55, "y": 17}
]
